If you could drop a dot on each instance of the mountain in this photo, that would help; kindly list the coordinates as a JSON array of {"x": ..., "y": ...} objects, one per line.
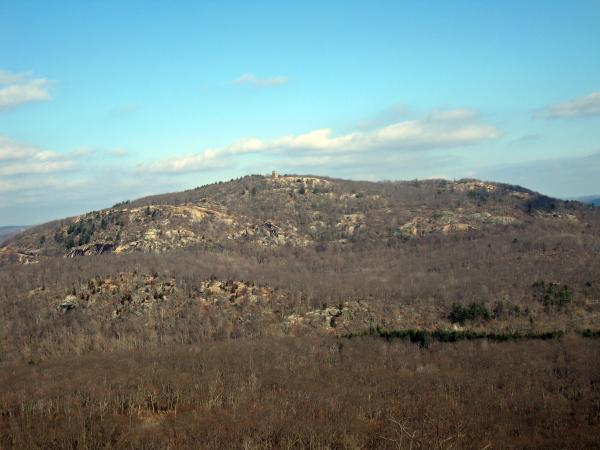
[
  {"x": 315, "y": 254},
  {"x": 7, "y": 232},
  {"x": 301, "y": 311},
  {"x": 293, "y": 211}
]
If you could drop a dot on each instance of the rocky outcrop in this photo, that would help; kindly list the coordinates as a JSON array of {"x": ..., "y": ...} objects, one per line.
[
  {"x": 231, "y": 301},
  {"x": 448, "y": 222},
  {"x": 91, "y": 249},
  {"x": 351, "y": 224},
  {"x": 334, "y": 319},
  {"x": 69, "y": 303}
]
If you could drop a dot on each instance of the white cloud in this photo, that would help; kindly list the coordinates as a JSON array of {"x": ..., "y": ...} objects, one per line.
[
  {"x": 247, "y": 146},
  {"x": 33, "y": 167},
  {"x": 424, "y": 134},
  {"x": 199, "y": 162},
  {"x": 444, "y": 129},
  {"x": 13, "y": 150},
  {"x": 19, "y": 88},
  {"x": 17, "y": 158},
  {"x": 586, "y": 106},
  {"x": 251, "y": 79},
  {"x": 317, "y": 140}
]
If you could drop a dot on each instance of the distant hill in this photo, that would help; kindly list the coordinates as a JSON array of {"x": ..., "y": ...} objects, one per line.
[
  {"x": 590, "y": 199},
  {"x": 6, "y": 232},
  {"x": 293, "y": 211}
]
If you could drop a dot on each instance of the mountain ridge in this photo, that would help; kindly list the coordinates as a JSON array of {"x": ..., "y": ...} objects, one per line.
[
  {"x": 294, "y": 255},
  {"x": 293, "y": 210}
]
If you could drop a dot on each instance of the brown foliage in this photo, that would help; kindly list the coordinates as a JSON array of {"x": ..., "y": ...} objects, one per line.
[
  {"x": 139, "y": 351},
  {"x": 309, "y": 393}
]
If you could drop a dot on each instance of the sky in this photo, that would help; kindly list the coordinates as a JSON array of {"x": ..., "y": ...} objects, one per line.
[{"x": 103, "y": 101}]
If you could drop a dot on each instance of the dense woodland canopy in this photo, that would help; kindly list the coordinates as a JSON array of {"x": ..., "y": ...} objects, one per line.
[{"x": 219, "y": 317}]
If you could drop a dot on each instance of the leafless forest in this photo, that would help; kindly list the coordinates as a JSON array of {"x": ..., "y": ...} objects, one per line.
[
  {"x": 235, "y": 332},
  {"x": 309, "y": 393}
]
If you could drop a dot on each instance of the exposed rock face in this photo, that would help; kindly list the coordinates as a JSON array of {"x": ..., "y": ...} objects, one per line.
[
  {"x": 474, "y": 185},
  {"x": 351, "y": 224},
  {"x": 68, "y": 303},
  {"x": 90, "y": 249},
  {"x": 298, "y": 181},
  {"x": 272, "y": 230},
  {"x": 8, "y": 254},
  {"x": 338, "y": 319},
  {"x": 229, "y": 301},
  {"x": 448, "y": 222},
  {"x": 155, "y": 240},
  {"x": 127, "y": 292}
]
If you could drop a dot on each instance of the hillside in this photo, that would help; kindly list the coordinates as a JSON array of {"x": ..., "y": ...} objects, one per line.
[
  {"x": 306, "y": 312},
  {"x": 297, "y": 255},
  {"x": 297, "y": 211}
]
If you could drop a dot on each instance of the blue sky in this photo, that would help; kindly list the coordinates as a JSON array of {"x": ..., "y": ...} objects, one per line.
[{"x": 104, "y": 101}]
